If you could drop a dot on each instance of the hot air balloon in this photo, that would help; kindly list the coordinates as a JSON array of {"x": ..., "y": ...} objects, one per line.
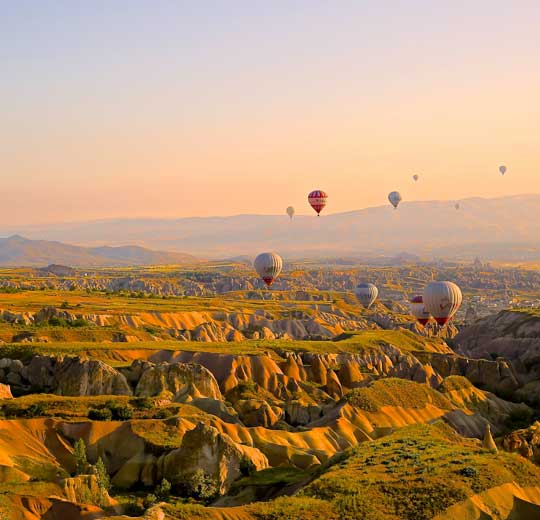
[
  {"x": 317, "y": 199},
  {"x": 502, "y": 169},
  {"x": 456, "y": 205},
  {"x": 419, "y": 311},
  {"x": 395, "y": 198},
  {"x": 442, "y": 300},
  {"x": 415, "y": 177},
  {"x": 268, "y": 267},
  {"x": 366, "y": 293},
  {"x": 290, "y": 211}
]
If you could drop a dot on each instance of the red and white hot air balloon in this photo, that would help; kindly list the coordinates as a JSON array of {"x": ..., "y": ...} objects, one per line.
[
  {"x": 442, "y": 300},
  {"x": 317, "y": 199},
  {"x": 268, "y": 267},
  {"x": 419, "y": 311}
]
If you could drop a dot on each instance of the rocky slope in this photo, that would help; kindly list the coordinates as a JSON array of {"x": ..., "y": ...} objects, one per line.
[{"x": 512, "y": 335}]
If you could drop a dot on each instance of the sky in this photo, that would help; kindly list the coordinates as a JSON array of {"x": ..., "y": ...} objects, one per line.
[{"x": 182, "y": 108}]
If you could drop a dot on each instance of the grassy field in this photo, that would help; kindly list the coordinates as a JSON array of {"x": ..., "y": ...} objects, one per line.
[
  {"x": 414, "y": 474},
  {"x": 396, "y": 392}
]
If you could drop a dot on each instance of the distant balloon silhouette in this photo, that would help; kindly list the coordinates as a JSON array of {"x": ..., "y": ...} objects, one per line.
[
  {"x": 415, "y": 177},
  {"x": 290, "y": 211},
  {"x": 502, "y": 169},
  {"x": 456, "y": 205},
  {"x": 395, "y": 198}
]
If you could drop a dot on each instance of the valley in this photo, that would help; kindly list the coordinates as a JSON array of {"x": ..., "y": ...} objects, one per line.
[{"x": 198, "y": 394}]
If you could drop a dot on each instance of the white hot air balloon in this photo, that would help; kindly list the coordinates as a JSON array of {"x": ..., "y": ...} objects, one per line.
[
  {"x": 290, "y": 211},
  {"x": 395, "y": 198},
  {"x": 366, "y": 293},
  {"x": 416, "y": 177},
  {"x": 442, "y": 300},
  {"x": 419, "y": 311},
  {"x": 502, "y": 169},
  {"x": 268, "y": 267}
]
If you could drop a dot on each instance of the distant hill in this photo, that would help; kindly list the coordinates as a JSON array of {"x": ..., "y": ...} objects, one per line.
[
  {"x": 19, "y": 251},
  {"x": 505, "y": 228}
]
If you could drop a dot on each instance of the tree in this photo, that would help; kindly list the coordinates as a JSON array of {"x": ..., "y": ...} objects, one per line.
[
  {"x": 163, "y": 491},
  {"x": 102, "y": 476},
  {"x": 79, "y": 453},
  {"x": 201, "y": 486}
]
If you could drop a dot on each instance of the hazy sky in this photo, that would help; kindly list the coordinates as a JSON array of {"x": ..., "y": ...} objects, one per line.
[{"x": 182, "y": 108}]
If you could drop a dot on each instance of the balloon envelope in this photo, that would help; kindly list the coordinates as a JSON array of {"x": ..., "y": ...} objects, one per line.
[
  {"x": 415, "y": 177},
  {"x": 502, "y": 169},
  {"x": 317, "y": 199},
  {"x": 395, "y": 198},
  {"x": 419, "y": 311},
  {"x": 442, "y": 300},
  {"x": 268, "y": 267},
  {"x": 290, "y": 211},
  {"x": 366, "y": 293}
]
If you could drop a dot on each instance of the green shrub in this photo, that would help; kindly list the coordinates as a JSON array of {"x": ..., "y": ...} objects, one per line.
[
  {"x": 163, "y": 413},
  {"x": 247, "y": 467},
  {"x": 163, "y": 491},
  {"x": 80, "y": 322},
  {"x": 200, "y": 486},
  {"x": 54, "y": 321},
  {"x": 100, "y": 414},
  {"x": 468, "y": 471},
  {"x": 143, "y": 403},
  {"x": 121, "y": 413},
  {"x": 35, "y": 410},
  {"x": 149, "y": 500}
]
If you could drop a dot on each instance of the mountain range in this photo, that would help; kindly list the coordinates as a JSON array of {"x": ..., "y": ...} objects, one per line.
[
  {"x": 19, "y": 251},
  {"x": 506, "y": 228}
]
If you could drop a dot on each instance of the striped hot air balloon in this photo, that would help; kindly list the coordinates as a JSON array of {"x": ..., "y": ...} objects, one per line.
[
  {"x": 268, "y": 267},
  {"x": 366, "y": 293},
  {"x": 442, "y": 300},
  {"x": 317, "y": 199},
  {"x": 419, "y": 311}
]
